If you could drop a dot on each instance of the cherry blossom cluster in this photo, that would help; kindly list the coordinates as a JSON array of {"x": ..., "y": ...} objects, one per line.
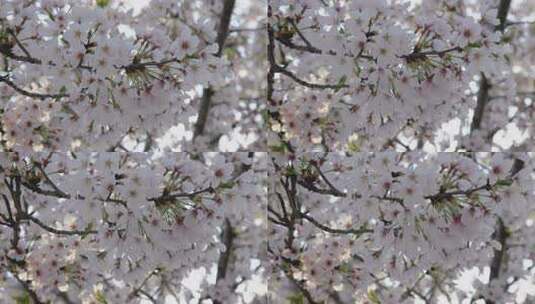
[
  {"x": 122, "y": 227},
  {"x": 509, "y": 113},
  {"x": 238, "y": 106},
  {"x": 361, "y": 75},
  {"x": 400, "y": 227},
  {"x": 84, "y": 75}
]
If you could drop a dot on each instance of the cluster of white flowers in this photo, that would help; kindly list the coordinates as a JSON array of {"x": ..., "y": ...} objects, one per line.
[
  {"x": 117, "y": 119},
  {"x": 80, "y": 76},
  {"x": 119, "y": 225},
  {"x": 363, "y": 75},
  {"x": 399, "y": 225}
]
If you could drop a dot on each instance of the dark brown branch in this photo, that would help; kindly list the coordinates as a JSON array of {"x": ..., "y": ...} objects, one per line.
[
  {"x": 21, "y": 46},
  {"x": 10, "y": 219},
  {"x": 313, "y": 188},
  {"x": 139, "y": 289},
  {"x": 148, "y": 296},
  {"x": 206, "y": 101},
  {"x": 56, "y": 192},
  {"x": 482, "y": 100},
  {"x": 358, "y": 231},
  {"x": 37, "y": 189},
  {"x": 281, "y": 70},
  {"x": 227, "y": 237},
  {"x": 159, "y": 64},
  {"x": 304, "y": 48},
  {"x": 518, "y": 165},
  {"x": 58, "y": 231},
  {"x": 168, "y": 197},
  {"x": 500, "y": 235},
  {"x": 484, "y": 84},
  {"x": 49, "y": 181},
  {"x": 271, "y": 60},
  {"x": 332, "y": 190},
  {"x": 13, "y": 186},
  {"x": 503, "y": 11},
  {"x": 300, "y": 286},
  {"x": 203, "y": 112},
  {"x": 60, "y": 194},
  {"x": 309, "y": 48},
  {"x": 224, "y": 24},
  {"x": 28, "y": 289},
  {"x": 64, "y": 297},
  {"x": 6, "y": 80},
  {"x": 335, "y": 296},
  {"x": 331, "y": 186},
  {"x": 9, "y": 54},
  {"x": 446, "y": 195},
  {"x": 423, "y": 55}
]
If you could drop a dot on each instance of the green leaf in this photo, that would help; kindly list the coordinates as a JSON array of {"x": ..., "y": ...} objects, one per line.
[
  {"x": 353, "y": 146},
  {"x": 100, "y": 297},
  {"x": 103, "y": 3},
  {"x": 230, "y": 53},
  {"x": 474, "y": 45},
  {"x": 290, "y": 171},
  {"x": 345, "y": 268},
  {"x": 504, "y": 182},
  {"x": 22, "y": 299},
  {"x": 372, "y": 296},
  {"x": 227, "y": 185},
  {"x": 296, "y": 299},
  {"x": 265, "y": 115},
  {"x": 88, "y": 228},
  {"x": 278, "y": 148},
  {"x": 357, "y": 70},
  {"x": 341, "y": 83},
  {"x": 172, "y": 209}
]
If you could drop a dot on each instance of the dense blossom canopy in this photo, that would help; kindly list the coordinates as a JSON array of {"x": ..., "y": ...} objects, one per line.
[
  {"x": 375, "y": 75},
  {"x": 401, "y": 227},
  {"x": 124, "y": 227},
  {"x": 267, "y": 151},
  {"x": 79, "y": 76}
]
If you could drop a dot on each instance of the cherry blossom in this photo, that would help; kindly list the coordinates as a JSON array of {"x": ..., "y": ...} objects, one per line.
[
  {"x": 103, "y": 77},
  {"x": 279, "y": 151},
  {"x": 396, "y": 75},
  {"x": 400, "y": 227},
  {"x": 121, "y": 227}
]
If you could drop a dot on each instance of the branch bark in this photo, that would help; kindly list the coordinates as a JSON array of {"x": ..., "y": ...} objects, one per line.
[
  {"x": 484, "y": 84},
  {"x": 224, "y": 23},
  {"x": 227, "y": 236},
  {"x": 482, "y": 100},
  {"x": 21, "y": 91},
  {"x": 501, "y": 235}
]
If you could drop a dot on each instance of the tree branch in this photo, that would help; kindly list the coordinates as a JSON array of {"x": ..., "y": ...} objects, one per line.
[
  {"x": 21, "y": 91},
  {"x": 224, "y": 23},
  {"x": 358, "y": 231},
  {"x": 28, "y": 289},
  {"x": 58, "y": 231},
  {"x": 484, "y": 85},
  {"x": 227, "y": 236},
  {"x": 482, "y": 100},
  {"x": 281, "y": 70},
  {"x": 167, "y": 197}
]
